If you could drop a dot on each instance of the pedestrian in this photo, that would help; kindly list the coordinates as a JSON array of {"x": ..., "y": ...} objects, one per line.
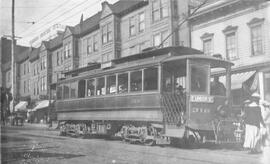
[
  {"x": 217, "y": 87},
  {"x": 265, "y": 105},
  {"x": 253, "y": 121}
]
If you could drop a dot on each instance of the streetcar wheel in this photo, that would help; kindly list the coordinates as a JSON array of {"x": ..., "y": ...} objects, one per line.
[{"x": 149, "y": 142}]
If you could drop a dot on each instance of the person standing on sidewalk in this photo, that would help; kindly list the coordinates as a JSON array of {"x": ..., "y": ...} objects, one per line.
[{"x": 253, "y": 121}]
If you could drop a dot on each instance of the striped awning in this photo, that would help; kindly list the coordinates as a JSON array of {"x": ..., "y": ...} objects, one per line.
[
  {"x": 21, "y": 106},
  {"x": 42, "y": 104},
  {"x": 238, "y": 79}
]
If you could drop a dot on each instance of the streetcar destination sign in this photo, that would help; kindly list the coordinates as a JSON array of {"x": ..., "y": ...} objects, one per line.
[{"x": 202, "y": 98}]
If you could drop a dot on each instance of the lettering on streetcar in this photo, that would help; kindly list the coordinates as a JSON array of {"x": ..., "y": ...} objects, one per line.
[
  {"x": 202, "y": 98},
  {"x": 200, "y": 110}
]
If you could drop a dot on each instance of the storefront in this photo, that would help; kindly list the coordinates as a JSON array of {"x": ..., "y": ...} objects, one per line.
[{"x": 40, "y": 113}]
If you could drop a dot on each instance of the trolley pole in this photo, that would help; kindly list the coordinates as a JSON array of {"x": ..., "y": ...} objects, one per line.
[{"x": 13, "y": 65}]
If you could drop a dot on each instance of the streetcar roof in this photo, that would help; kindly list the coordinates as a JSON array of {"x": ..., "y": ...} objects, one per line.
[
  {"x": 148, "y": 58},
  {"x": 180, "y": 50},
  {"x": 214, "y": 61}
]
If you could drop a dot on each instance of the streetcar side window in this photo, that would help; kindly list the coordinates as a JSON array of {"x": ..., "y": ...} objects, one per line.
[
  {"x": 73, "y": 90},
  {"x": 111, "y": 84},
  {"x": 100, "y": 86},
  {"x": 136, "y": 81},
  {"x": 150, "y": 79},
  {"x": 167, "y": 82},
  {"x": 123, "y": 83},
  {"x": 91, "y": 87},
  {"x": 81, "y": 89},
  {"x": 59, "y": 91},
  {"x": 199, "y": 78},
  {"x": 66, "y": 91}
]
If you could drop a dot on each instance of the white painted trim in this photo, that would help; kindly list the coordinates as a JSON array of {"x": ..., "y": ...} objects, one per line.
[{"x": 261, "y": 85}]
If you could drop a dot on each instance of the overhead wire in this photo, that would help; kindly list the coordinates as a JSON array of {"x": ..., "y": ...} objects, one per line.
[
  {"x": 48, "y": 14},
  {"x": 66, "y": 11}
]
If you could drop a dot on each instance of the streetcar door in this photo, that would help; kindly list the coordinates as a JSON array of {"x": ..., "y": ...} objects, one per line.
[
  {"x": 201, "y": 104},
  {"x": 174, "y": 97}
]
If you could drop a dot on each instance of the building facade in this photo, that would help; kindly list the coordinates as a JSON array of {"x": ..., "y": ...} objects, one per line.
[
  {"x": 238, "y": 31},
  {"x": 118, "y": 30}
]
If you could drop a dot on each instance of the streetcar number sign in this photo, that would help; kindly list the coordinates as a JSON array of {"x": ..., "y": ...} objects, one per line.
[{"x": 202, "y": 98}]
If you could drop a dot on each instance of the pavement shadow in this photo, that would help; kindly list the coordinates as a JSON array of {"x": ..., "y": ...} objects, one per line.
[
  {"x": 8, "y": 156},
  {"x": 6, "y": 139}
]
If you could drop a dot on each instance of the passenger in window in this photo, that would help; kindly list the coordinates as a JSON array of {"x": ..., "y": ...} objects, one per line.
[
  {"x": 196, "y": 85},
  {"x": 217, "y": 88},
  {"x": 179, "y": 90},
  {"x": 122, "y": 88}
]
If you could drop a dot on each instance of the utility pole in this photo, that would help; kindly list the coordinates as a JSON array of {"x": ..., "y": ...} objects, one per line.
[{"x": 13, "y": 65}]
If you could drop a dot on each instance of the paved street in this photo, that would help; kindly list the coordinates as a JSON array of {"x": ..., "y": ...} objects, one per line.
[{"x": 36, "y": 144}]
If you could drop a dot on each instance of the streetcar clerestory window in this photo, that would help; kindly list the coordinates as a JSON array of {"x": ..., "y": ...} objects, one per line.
[
  {"x": 150, "y": 79},
  {"x": 111, "y": 84},
  {"x": 73, "y": 90},
  {"x": 91, "y": 87},
  {"x": 136, "y": 81},
  {"x": 199, "y": 78},
  {"x": 123, "y": 83},
  {"x": 66, "y": 91},
  {"x": 59, "y": 91},
  {"x": 101, "y": 86}
]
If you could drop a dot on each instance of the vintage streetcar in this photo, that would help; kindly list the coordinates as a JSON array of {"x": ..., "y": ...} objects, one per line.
[{"x": 159, "y": 96}]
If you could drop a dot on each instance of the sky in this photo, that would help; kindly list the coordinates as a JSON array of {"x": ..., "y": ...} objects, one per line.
[{"x": 44, "y": 14}]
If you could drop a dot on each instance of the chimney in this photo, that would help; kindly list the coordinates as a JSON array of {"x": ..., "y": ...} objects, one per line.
[
  {"x": 219, "y": 56},
  {"x": 103, "y": 4}
]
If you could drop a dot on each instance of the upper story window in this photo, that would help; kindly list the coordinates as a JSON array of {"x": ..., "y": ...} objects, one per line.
[
  {"x": 29, "y": 85},
  {"x": 95, "y": 43},
  {"x": 132, "y": 29},
  {"x": 37, "y": 68},
  {"x": 43, "y": 63},
  {"x": 89, "y": 45},
  {"x": 207, "y": 40},
  {"x": 141, "y": 24},
  {"x": 24, "y": 68},
  {"x": 159, "y": 9},
  {"x": 43, "y": 83},
  {"x": 159, "y": 37},
  {"x": 67, "y": 50},
  {"x": 256, "y": 25},
  {"x": 107, "y": 33},
  {"x": 231, "y": 42},
  {"x": 24, "y": 86},
  {"x": 256, "y": 40},
  {"x": 34, "y": 69},
  {"x": 231, "y": 46},
  {"x": 57, "y": 58}
]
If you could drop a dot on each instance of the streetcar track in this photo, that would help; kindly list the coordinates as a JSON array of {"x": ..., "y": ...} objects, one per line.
[{"x": 157, "y": 154}]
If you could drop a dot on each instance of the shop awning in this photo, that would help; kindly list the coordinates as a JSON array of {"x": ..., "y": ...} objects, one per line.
[
  {"x": 238, "y": 79},
  {"x": 21, "y": 106},
  {"x": 42, "y": 104}
]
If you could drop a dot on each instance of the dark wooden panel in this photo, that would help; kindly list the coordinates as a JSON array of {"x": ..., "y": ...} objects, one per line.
[{"x": 111, "y": 102}]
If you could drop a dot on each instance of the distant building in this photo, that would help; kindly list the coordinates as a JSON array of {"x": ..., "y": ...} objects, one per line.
[{"x": 46, "y": 35}]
